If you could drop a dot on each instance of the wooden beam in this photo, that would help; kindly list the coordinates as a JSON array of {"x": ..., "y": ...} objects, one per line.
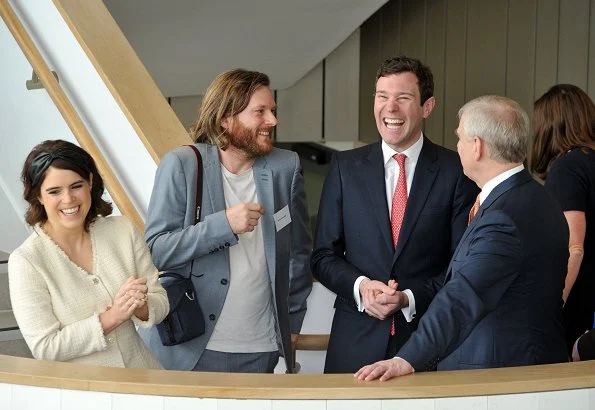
[
  {"x": 126, "y": 77},
  {"x": 68, "y": 112}
]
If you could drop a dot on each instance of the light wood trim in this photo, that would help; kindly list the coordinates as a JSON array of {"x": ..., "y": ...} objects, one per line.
[
  {"x": 126, "y": 77},
  {"x": 17, "y": 370},
  {"x": 313, "y": 342},
  {"x": 68, "y": 112}
]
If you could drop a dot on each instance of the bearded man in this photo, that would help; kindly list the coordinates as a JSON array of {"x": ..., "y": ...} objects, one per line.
[{"x": 248, "y": 255}]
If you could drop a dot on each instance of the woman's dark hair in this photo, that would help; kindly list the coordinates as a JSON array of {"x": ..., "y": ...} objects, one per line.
[
  {"x": 62, "y": 155},
  {"x": 563, "y": 119}
]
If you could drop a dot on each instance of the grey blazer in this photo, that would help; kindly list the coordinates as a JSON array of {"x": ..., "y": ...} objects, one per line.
[{"x": 175, "y": 241}]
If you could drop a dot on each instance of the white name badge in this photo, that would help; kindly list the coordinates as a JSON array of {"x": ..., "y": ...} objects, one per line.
[{"x": 282, "y": 218}]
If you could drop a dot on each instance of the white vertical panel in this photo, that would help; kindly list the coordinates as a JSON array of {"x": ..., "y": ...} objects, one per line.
[
  {"x": 341, "y": 90},
  {"x": 299, "y": 109},
  {"x": 462, "y": 403},
  {"x": 136, "y": 401},
  {"x": 409, "y": 404},
  {"x": 33, "y": 398},
  {"x": 232, "y": 404},
  {"x": 5, "y": 396},
  {"x": 528, "y": 401},
  {"x": 299, "y": 405},
  {"x": 354, "y": 404},
  {"x": 189, "y": 403},
  {"x": 74, "y": 399},
  {"x": 566, "y": 399}
]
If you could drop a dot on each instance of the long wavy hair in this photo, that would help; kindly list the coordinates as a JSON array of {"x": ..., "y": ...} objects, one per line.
[
  {"x": 563, "y": 119},
  {"x": 227, "y": 96}
]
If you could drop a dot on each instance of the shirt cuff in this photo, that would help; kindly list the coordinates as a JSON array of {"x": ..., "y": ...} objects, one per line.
[
  {"x": 356, "y": 296},
  {"x": 409, "y": 311}
]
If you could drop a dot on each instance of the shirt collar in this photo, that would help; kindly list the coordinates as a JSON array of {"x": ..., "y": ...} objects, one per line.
[
  {"x": 497, "y": 180},
  {"x": 412, "y": 152}
]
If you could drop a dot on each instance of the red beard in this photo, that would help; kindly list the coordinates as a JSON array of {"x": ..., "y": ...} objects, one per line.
[{"x": 248, "y": 140}]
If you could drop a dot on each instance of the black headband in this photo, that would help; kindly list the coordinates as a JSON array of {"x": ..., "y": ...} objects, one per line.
[{"x": 43, "y": 161}]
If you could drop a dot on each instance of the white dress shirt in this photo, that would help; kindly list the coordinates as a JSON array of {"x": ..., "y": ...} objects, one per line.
[
  {"x": 489, "y": 186},
  {"x": 391, "y": 176}
]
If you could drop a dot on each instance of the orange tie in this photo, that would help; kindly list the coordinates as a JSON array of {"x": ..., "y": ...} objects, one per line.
[
  {"x": 398, "y": 209},
  {"x": 473, "y": 210}
]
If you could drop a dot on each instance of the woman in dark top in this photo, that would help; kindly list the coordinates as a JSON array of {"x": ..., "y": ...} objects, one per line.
[{"x": 564, "y": 155}]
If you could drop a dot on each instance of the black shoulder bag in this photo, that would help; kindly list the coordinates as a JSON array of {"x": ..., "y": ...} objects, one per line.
[{"x": 185, "y": 320}]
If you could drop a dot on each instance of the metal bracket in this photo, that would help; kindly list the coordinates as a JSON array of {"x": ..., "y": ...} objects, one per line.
[{"x": 35, "y": 84}]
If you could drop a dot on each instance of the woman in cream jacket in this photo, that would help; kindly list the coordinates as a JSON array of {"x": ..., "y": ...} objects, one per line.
[{"x": 82, "y": 281}]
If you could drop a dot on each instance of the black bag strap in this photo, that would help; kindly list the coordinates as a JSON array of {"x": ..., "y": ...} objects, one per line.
[
  {"x": 197, "y": 207},
  {"x": 198, "y": 197}
]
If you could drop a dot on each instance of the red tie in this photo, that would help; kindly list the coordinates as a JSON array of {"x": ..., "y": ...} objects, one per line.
[
  {"x": 398, "y": 209},
  {"x": 473, "y": 210},
  {"x": 399, "y": 199}
]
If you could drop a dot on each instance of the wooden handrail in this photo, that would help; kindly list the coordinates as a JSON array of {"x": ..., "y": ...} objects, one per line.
[
  {"x": 312, "y": 342},
  {"x": 527, "y": 379},
  {"x": 68, "y": 112},
  {"x": 124, "y": 74}
]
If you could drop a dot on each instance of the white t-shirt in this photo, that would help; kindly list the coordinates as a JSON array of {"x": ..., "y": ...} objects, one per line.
[{"x": 246, "y": 323}]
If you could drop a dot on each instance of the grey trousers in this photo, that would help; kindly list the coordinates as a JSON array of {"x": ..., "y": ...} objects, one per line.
[{"x": 212, "y": 361}]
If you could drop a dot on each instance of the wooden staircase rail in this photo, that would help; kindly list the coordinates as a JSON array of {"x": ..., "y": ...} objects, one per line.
[{"x": 68, "y": 112}]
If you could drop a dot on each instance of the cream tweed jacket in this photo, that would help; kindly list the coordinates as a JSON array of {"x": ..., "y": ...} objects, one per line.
[{"x": 57, "y": 303}]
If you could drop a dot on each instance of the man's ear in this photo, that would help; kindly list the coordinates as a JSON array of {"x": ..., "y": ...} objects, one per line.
[
  {"x": 428, "y": 106},
  {"x": 226, "y": 123},
  {"x": 478, "y": 148}
]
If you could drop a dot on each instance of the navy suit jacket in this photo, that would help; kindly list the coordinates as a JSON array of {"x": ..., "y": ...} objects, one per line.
[
  {"x": 501, "y": 304},
  {"x": 353, "y": 238}
]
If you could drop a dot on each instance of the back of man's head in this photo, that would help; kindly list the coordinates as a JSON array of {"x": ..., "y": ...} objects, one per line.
[
  {"x": 227, "y": 96},
  {"x": 404, "y": 64},
  {"x": 501, "y": 123}
]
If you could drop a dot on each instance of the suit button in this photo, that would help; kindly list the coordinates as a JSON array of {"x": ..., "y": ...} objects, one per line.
[
  {"x": 227, "y": 244},
  {"x": 212, "y": 316},
  {"x": 222, "y": 247},
  {"x": 224, "y": 281}
]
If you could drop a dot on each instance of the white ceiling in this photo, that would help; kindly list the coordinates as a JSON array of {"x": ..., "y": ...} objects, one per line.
[{"x": 185, "y": 43}]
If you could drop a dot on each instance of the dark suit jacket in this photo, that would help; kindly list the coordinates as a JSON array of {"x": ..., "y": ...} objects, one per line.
[
  {"x": 501, "y": 304},
  {"x": 353, "y": 238}
]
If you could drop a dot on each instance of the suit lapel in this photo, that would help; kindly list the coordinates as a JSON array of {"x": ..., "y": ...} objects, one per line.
[
  {"x": 426, "y": 171},
  {"x": 517, "y": 179},
  {"x": 372, "y": 174},
  {"x": 214, "y": 179},
  {"x": 263, "y": 179}
]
